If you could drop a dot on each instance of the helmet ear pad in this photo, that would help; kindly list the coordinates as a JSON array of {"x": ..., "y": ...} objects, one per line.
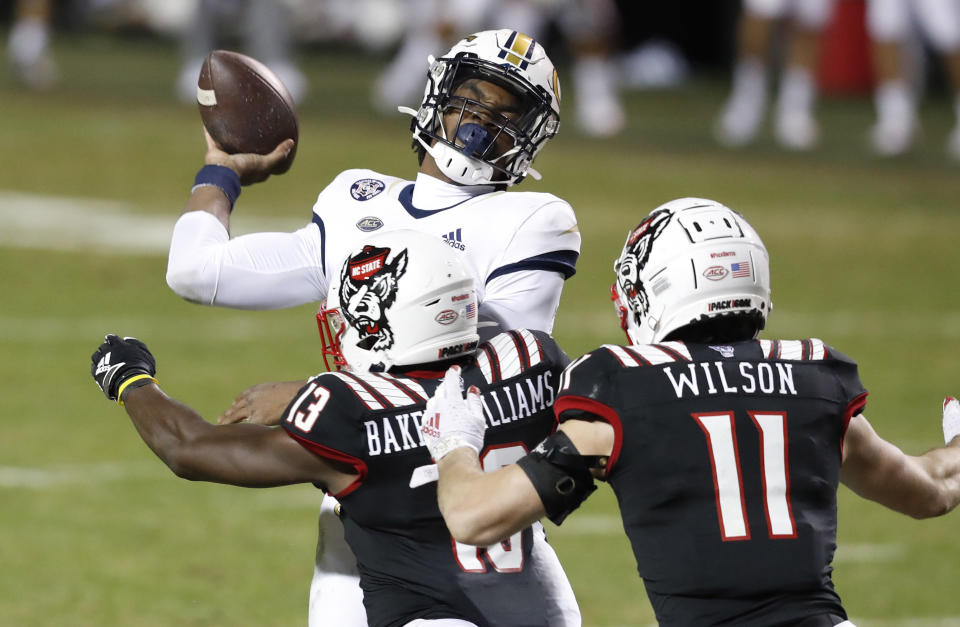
[{"x": 693, "y": 263}]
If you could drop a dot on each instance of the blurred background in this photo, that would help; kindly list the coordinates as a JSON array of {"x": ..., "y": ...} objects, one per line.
[{"x": 832, "y": 126}]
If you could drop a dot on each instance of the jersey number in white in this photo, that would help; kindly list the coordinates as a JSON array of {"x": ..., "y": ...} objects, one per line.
[
  {"x": 727, "y": 479},
  {"x": 304, "y": 420},
  {"x": 506, "y": 556}
]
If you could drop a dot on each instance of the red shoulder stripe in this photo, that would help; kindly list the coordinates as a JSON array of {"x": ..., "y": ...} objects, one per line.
[{"x": 326, "y": 452}]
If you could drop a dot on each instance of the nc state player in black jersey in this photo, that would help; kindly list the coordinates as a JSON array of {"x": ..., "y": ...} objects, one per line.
[
  {"x": 725, "y": 452},
  {"x": 403, "y": 309}
]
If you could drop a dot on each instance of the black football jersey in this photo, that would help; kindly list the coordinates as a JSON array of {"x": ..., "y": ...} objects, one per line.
[
  {"x": 409, "y": 565},
  {"x": 725, "y": 465}
]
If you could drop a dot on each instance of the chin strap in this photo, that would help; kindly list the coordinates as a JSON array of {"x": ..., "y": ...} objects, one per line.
[{"x": 433, "y": 152}]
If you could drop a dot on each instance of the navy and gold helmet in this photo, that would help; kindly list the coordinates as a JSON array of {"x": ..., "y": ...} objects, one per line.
[{"x": 502, "y": 146}]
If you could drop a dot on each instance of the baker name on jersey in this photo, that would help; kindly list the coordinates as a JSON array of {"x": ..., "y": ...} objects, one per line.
[
  {"x": 401, "y": 432},
  {"x": 707, "y": 378}
]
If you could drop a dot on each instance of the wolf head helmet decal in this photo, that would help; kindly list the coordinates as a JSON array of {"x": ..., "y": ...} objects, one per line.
[
  {"x": 368, "y": 288},
  {"x": 634, "y": 259},
  {"x": 400, "y": 298}
]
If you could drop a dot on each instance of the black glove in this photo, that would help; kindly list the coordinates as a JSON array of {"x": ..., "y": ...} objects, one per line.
[{"x": 121, "y": 365}]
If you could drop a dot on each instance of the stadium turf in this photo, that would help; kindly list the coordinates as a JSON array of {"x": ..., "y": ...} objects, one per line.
[{"x": 98, "y": 532}]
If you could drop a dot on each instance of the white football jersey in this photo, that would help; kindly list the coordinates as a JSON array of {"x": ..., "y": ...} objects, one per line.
[{"x": 498, "y": 232}]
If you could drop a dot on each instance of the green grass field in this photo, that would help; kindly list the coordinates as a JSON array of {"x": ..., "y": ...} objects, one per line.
[{"x": 97, "y": 532}]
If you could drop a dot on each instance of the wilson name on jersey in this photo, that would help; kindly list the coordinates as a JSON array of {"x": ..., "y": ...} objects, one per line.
[
  {"x": 409, "y": 565},
  {"x": 725, "y": 464}
]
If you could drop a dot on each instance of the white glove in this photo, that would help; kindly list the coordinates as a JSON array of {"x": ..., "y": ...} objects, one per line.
[
  {"x": 449, "y": 421},
  {"x": 951, "y": 419}
]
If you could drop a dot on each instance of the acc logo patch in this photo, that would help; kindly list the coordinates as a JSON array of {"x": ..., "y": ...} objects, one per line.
[
  {"x": 370, "y": 223},
  {"x": 715, "y": 273},
  {"x": 365, "y": 189},
  {"x": 447, "y": 316}
]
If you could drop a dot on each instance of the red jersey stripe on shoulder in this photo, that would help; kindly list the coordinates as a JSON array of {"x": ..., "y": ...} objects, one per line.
[
  {"x": 679, "y": 350},
  {"x": 770, "y": 349},
  {"x": 369, "y": 388},
  {"x": 626, "y": 358},
  {"x": 534, "y": 349},
  {"x": 504, "y": 346},
  {"x": 493, "y": 362},
  {"x": 409, "y": 387},
  {"x": 654, "y": 354},
  {"x": 811, "y": 349},
  {"x": 765, "y": 347},
  {"x": 358, "y": 390},
  {"x": 818, "y": 350},
  {"x": 791, "y": 350},
  {"x": 608, "y": 414},
  {"x": 521, "y": 348},
  {"x": 339, "y": 456}
]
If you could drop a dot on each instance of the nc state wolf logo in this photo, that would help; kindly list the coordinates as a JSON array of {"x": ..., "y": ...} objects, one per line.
[
  {"x": 369, "y": 288},
  {"x": 635, "y": 257}
]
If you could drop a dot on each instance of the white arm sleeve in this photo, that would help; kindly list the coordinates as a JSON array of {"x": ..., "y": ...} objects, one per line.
[
  {"x": 525, "y": 299},
  {"x": 256, "y": 271}
]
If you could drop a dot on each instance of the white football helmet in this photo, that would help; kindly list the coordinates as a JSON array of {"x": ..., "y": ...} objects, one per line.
[
  {"x": 402, "y": 298},
  {"x": 513, "y": 61},
  {"x": 690, "y": 260}
]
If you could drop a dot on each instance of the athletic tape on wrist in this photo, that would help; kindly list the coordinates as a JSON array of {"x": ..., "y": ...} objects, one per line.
[
  {"x": 221, "y": 177},
  {"x": 133, "y": 383},
  {"x": 446, "y": 445}
]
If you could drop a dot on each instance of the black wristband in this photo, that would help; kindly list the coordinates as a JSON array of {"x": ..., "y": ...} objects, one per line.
[
  {"x": 221, "y": 177},
  {"x": 132, "y": 383}
]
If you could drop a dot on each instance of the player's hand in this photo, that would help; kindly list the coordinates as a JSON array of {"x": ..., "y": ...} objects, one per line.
[
  {"x": 262, "y": 404},
  {"x": 951, "y": 419},
  {"x": 120, "y": 365},
  {"x": 450, "y": 421},
  {"x": 250, "y": 167}
]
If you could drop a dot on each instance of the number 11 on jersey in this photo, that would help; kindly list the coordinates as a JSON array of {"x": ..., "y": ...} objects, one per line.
[{"x": 721, "y": 437}]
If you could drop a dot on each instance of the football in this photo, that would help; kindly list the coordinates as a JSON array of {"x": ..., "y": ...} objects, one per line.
[{"x": 244, "y": 106}]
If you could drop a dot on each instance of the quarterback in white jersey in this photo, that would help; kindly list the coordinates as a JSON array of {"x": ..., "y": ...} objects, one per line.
[{"x": 490, "y": 105}]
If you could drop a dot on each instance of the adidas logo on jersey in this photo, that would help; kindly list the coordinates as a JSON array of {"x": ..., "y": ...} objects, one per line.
[{"x": 455, "y": 239}]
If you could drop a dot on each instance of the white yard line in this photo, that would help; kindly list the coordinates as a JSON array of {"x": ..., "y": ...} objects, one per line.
[
  {"x": 76, "y": 474},
  {"x": 106, "y": 226}
]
